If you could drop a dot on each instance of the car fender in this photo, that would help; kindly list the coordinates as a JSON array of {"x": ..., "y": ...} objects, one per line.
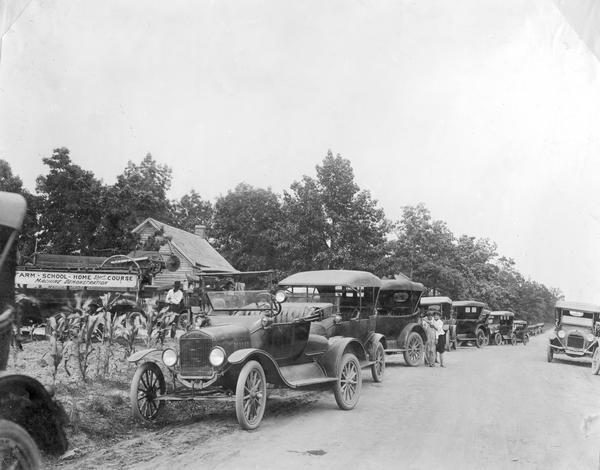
[
  {"x": 372, "y": 342},
  {"x": 138, "y": 355},
  {"x": 268, "y": 363},
  {"x": 34, "y": 409},
  {"x": 338, "y": 346},
  {"x": 409, "y": 329}
]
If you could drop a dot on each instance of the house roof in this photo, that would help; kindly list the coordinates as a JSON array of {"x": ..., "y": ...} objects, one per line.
[{"x": 196, "y": 249}]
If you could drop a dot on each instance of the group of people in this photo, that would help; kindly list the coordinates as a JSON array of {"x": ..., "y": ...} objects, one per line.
[{"x": 436, "y": 338}]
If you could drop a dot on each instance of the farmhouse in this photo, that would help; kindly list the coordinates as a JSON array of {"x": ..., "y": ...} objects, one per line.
[{"x": 195, "y": 253}]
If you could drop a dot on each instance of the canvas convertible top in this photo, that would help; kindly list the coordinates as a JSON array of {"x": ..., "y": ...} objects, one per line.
[
  {"x": 579, "y": 306},
  {"x": 502, "y": 313},
  {"x": 332, "y": 277},
  {"x": 435, "y": 300},
  {"x": 401, "y": 284}
]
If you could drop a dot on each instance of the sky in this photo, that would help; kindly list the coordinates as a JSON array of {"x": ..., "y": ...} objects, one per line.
[{"x": 486, "y": 111}]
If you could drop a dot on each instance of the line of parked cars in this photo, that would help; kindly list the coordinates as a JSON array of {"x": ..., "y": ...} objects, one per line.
[{"x": 317, "y": 329}]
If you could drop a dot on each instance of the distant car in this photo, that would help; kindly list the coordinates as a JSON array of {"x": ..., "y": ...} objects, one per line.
[
  {"x": 501, "y": 327},
  {"x": 521, "y": 331},
  {"x": 444, "y": 306},
  {"x": 398, "y": 319},
  {"x": 471, "y": 322},
  {"x": 347, "y": 301},
  {"x": 576, "y": 331},
  {"x": 252, "y": 342}
]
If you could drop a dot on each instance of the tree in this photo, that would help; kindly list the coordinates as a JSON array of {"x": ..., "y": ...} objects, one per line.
[
  {"x": 245, "y": 227},
  {"x": 70, "y": 205},
  {"x": 191, "y": 210},
  {"x": 140, "y": 192},
  {"x": 330, "y": 223}
]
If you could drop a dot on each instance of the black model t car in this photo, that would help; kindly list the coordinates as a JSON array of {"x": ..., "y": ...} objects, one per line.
[
  {"x": 29, "y": 417},
  {"x": 521, "y": 331},
  {"x": 444, "y": 306},
  {"x": 501, "y": 327},
  {"x": 471, "y": 322},
  {"x": 398, "y": 319},
  {"x": 347, "y": 302},
  {"x": 252, "y": 342}
]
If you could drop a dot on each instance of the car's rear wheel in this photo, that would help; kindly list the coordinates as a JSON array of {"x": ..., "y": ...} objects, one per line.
[
  {"x": 251, "y": 395},
  {"x": 550, "y": 354},
  {"x": 349, "y": 382},
  {"x": 513, "y": 339},
  {"x": 480, "y": 338},
  {"x": 17, "y": 448},
  {"x": 498, "y": 338},
  {"x": 596, "y": 362},
  {"x": 147, "y": 385},
  {"x": 525, "y": 339},
  {"x": 378, "y": 368},
  {"x": 413, "y": 355}
]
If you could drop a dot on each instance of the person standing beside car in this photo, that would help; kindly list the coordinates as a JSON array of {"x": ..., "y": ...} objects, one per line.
[{"x": 440, "y": 334}]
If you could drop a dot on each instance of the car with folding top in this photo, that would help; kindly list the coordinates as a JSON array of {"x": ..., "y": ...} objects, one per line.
[
  {"x": 252, "y": 341},
  {"x": 471, "y": 322},
  {"x": 576, "y": 330},
  {"x": 347, "y": 304},
  {"x": 501, "y": 327},
  {"x": 443, "y": 305},
  {"x": 521, "y": 331},
  {"x": 398, "y": 319}
]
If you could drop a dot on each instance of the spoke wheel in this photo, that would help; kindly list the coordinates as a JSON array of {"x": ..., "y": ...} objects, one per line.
[
  {"x": 17, "y": 449},
  {"x": 251, "y": 395},
  {"x": 349, "y": 382},
  {"x": 414, "y": 349},
  {"x": 147, "y": 385},
  {"x": 525, "y": 339},
  {"x": 498, "y": 338},
  {"x": 550, "y": 354},
  {"x": 378, "y": 368},
  {"x": 513, "y": 339},
  {"x": 596, "y": 362},
  {"x": 480, "y": 339}
]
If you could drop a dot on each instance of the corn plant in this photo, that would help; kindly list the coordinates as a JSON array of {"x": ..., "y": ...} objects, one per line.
[
  {"x": 158, "y": 323},
  {"x": 127, "y": 332},
  {"x": 60, "y": 332}
]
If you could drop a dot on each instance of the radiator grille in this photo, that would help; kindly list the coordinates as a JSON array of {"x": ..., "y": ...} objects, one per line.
[
  {"x": 193, "y": 356},
  {"x": 575, "y": 341}
]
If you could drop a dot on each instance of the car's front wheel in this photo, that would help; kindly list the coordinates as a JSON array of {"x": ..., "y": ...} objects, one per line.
[
  {"x": 413, "y": 355},
  {"x": 497, "y": 338},
  {"x": 147, "y": 385},
  {"x": 17, "y": 448},
  {"x": 480, "y": 339},
  {"x": 378, "y": 368},
  {"x": 513, "y": 339},
  {"x": 525, "y": 339},
  {"x": 251, "y": 395},
  {"x": 596, "y": 362},
  {"x": 349, "y": 382},
  {"x": 550, "y": 354}
]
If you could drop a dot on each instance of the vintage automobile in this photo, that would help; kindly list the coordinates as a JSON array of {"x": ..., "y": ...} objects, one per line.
[
  {"x": 536, "y": 329},
  {"x": 398, "y": 319},
  {"x": 471, "y": 322},
  {"x": 501, "y": 327},
  {"x": 30, "y": 419},
  {"x": 347, "y": 301},
  {"x": 444, "y": 306},
  {"x": 521, "y": 331},
  {"x": 252, "y": 342},
  {"x": 576, "y": 330}
]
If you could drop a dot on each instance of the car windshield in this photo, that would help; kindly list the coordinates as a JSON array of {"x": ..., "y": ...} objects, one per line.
[
  {"x": 575, "y": 318},
  {"x": 240, "y": 301}
]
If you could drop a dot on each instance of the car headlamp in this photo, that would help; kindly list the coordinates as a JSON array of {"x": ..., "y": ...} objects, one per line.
[
  {"x": 590, "y": 338},
  {"x": 561, "y": 334},
  {"x": 217, "y": 356},
  {"x": 169, "y": 357},
  {"x": 280, "y": 296}
]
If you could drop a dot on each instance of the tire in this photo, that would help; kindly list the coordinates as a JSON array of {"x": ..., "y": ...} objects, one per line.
[
  {"x": 414, "y": 349},
  {"x": 183, "y": 321},
  {"x": 513, "y": 339},
  {"x": 497, "y": 338},
  {"x": 147, "y": 384},
  {"x": 250, "y": 395},
  {"x": 480, "y": 338},
  {"x": 349, "y": 382},
  {"x": 378, "y": 369},
  {"x": 525, "y": 339},
  {"x": 550, "y": 354},
  {"x": 17, "y": 448},
  {"x": 596, "y": 361}
]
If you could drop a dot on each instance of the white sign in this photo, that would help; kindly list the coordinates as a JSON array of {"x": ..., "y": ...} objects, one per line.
[{"x": 74, "y": 280}]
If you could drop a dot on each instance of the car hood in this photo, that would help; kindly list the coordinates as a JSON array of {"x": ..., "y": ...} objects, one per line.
[{"x": 220, "y": 334}]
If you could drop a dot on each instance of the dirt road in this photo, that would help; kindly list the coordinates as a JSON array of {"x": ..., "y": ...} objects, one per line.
[{"x": 501, "y": 407}]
